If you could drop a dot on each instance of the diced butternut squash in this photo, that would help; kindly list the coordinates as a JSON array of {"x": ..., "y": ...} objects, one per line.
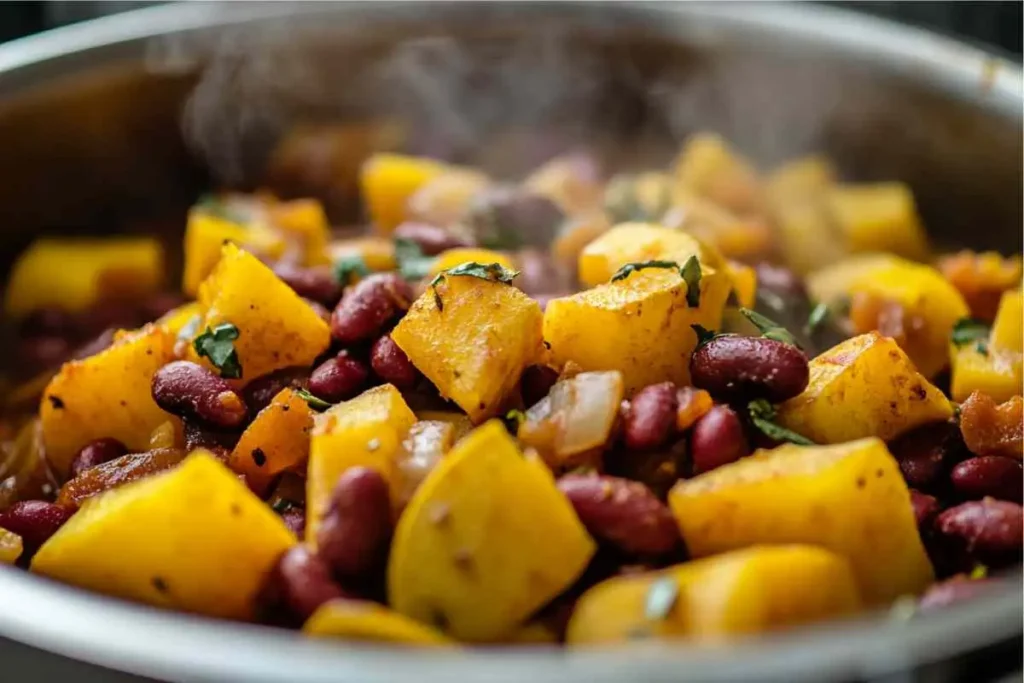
[
  {"x": 358, "y": 620},
  {"x": 748, "y": 238},
  {"x": 573, "y": 181},
  {"x": 277, "y": 329},
  {"x": 745, "y": 591},
  {"x": 276, "y": 440},
  {"x": 575, "y": 234},
  {"x": 1008, "y": 328},
  {"x": 444, "y": 199},
  {"x": 807, "y": 238},
  {"x": 640, "y": 325},
  {"x": 366, "y": 431},
  {"x": 76, "y": 274},
  {"x": 192, "y": 539},
  {"x": 836, "y": 281},
  {"x": 106, "y": 395},
  {"x": 707, "y": 167},
  {"x": 205, "y": 237},
  {"x": 865, "y": 386},
  {"x": 306, "y": 220},
  {"x": 994, "y": 368},
  {"x": 10, "y": 547},
  {"x": 982, "y": 278},
  {"x": 801, "y": 179},
  {"x": 472, "y": 338},
  {"x": 744, "y": 283},
  {"x": 388, "y": 180},
  {"x": 636, "y": 243},
  {"x": 454, "y": 257},
  {"x": 879, "y": 217},
  {"x": 446, "y": 568},
  {"x": 849, "y": 498},
  {"x": 378, "y": 253}
]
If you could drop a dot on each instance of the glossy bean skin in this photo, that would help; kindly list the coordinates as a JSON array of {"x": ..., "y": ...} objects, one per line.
[
  {"x": 989, "y": 531},
  {"x": 96, "y": 453},
  {"x": 34, "y": 520},
  {"x": 314, "y": 283},
  {"x": 354, "y": 533},
  {"x": 535, "y": 383},
  {"x": 651, "y": 418},
  {"x": 431, "y": 239},
  {"x": 717, "y": 439},
  {"x": 191, "y": 391},
  {"x": 369, "y": 306},
  {"x": 391, "y": 364},
  {"x": 925, "y": 509},
  {"x": 926, "y": 454},
  {"x": 339, "y": 378},
  {"x": 741, "y": 369},
  {"x": 301, "y": 581},
  {"x": 989, "y": 475},
  {"x": 261, "y": 391}
]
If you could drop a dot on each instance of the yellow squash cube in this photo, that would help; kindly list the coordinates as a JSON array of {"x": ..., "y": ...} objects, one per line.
[
  {"x": 193, "y": 539},
  {"x": 475, "y": 347},
  {"x": 1008, "y": 328},
  {"x": 636, "y": 243},
  {"x": 459, "y": 255},
  {"x": 378, "y": 253},
  {"x": 997, "y": 370},
  {"x": 849, "y": 498},
  {"x": 306, "y": 220},
  {"x": 865, "y": 386},
  {"x": 388, "y": 180},
  {"x": 358, "y": 620},
  {"x": 106, "y": 395},
  {"x": 486, "y": 540},
  {"x": 832, "y": 283},
  {"x": 879, "y": 217},
  {"x": 205, "y": 237},
  {"x": 746, "y": 591},
  {"x": 709, "y": 168},
  {"x": 75, "y": 274},
  {"x": 639, "y": 326},
  {"x": 276, "y": 440},
  {"x": 277, "y": 329},
  {"x": 10, "y": 547}
]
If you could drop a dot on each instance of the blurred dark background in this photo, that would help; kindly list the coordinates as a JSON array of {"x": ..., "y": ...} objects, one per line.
[{"x": 995, "y": 24}]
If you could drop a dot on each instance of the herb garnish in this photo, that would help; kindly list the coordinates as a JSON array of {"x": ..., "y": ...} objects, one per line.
[
  {"x": 690, "y": 272},
  {"x": 970, "y": 330},
  {"x": 413, "y": 264},
  {"x": 214, "y": 206},
  {"x": 317, "y": 404},
  {"x": 704, "y": 335},
  {"x": 769, "y": 328},
  {"x": 819, "y": 314},
  {"x": 762, "y": 414},
  {"x": 630, "y": 268},
  {"x": 348, "y": 267},
  {"x": 494, "y": 272},
  {"x": 661, "y": 598},
  {"x": 218, "y": 345}
]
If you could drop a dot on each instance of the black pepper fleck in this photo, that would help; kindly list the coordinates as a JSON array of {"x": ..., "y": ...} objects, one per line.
[
  {"x": 159, "y": 584},
  {"x": 259, "y": 457},
  {"x": 56, "y": 402}
]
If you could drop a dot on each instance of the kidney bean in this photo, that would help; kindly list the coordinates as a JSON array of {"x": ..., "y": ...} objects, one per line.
[
  {"x": 431, "y": 239},
  {"x": 925, "y": 509},
  {"x": 535, "y": 383},
  {"x": 651, "y": 418},
  {"x": 951, "y": 591},
  {"x": 316, "y": 283},
  {"x": 989, "y": 530},
  {"x": 741, "y": 369},
  {"x": 504, "y": 213},
  {"x": 261, "y": 391},
  {"x": 623, "y": 513},
  {"x": 354, "y": 533},
  {"x": 34, "y": 520},
  {"x": 717, "y": 439},
  {"x": 295, "y": 519},
  {"x": 96, "y": 453},
  {"x": 302, "y": 581},
  {"x": 926, "y": 453},
  {"x": 189, "y": 390},
  {"x": 989, "y": 475},
  {"x": 339, "y": 378},
  {"x": 366, "y": 308},
  {"x": 657, "y": 470},
  {"x": 392, "y": 365}
]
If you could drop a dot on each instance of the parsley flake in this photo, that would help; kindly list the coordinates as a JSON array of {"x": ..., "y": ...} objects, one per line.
[
  {"x": 762, "y": 414},
  {"x": 348, "y": 268},
  {"x": 218, "y": 344},
  {"x": 494, "y": 272},
  {"x": 970, "y": 330},
  {"x": 704, "y": 335},
  {"x": 317, "y": 404},
  {"x": 690, "y": 272},
  {"x": 630, "y": 268},
  {"x": 413, "y": 264},
  {"x": 769, "y": 328},
  {"x": 819, "y": 314}
]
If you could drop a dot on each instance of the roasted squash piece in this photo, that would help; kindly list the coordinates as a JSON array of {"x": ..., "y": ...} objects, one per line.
[
  {"x": 105, "y": 395},
  {"x": 205, "y": 237},
  {"x": 993, "y": 368},
  {"x": 366, "y": 431},
  {"x": 378, "y": 253},
  {"x": 357, "y": 620},
  {"x": 709, "y": 168},
  {"x": 640, "y": 325},
  {"x": 835, "y": 282},
  {"x": 1008, "y": 328},
  {"x": 982, "y": 278},
  {"x": 388, "y": 180},
  {"x": 744, "y": 283},
  {"x": 11, "y": 547},
  {"x": 740, "y": 592},
  {"x": 447, "y": 197},
  {"x": 485, "y": 541},
  {"x": 476, "y": 345},
  {"x": 193, "y": 539},
  {"x": 879, "y": 217},
  {"x": 849, "y": 498},
  {"x": 306, "y": 220},
  {"x": 636, "y": 243},
  {"x": 276, "y": 440},
  {"x": 277, "y": 329},
  {"x": 76, "y": 274},
  {"x": 748, "y": 238},
  {"x": 459, "y": 255},
  {"x": 865, "y": 386}
]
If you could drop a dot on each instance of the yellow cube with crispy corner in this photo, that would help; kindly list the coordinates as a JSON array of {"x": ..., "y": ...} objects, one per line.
[
  {"x": 361, "y": 620},
  {"x": 640, "y": 325},
  {"x": 106, "y": 395},
  {"x": 277, "y": 329},
  {"x": 388, "y": 181},
  {"x": 879, "y": 217},
  {"x": 994, "y": 369},
  {"x": 193, "y": 539},
  {"x": 849, "y": 498},
  {"x": 205, "y": 237},
  {"x": 864, "y": 386},
  {"x": 76, "y": 274},
  {"x": 751, "y": 590},
  {"x": 472, "y": 338},
  {"x": 486, "y": 540},
  {"x": 276, "y": 440},
  {"x": 1008, "y": 328},
  {"x": 306, "y": 220},
  {"x": 636, "y": 243}
]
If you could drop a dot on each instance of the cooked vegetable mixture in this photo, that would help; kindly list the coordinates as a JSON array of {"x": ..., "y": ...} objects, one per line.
[{"x": 581, "y": 408}]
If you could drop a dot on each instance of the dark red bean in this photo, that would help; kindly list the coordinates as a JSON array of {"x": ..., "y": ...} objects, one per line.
[
  {"x": 96, "y": 453},
  {"x": 717, "y": 439},
  {"x": 367, "y": 307},
  {"x": 988, "y": 530},
  {"x": 536, "y": 382},
  {"x": 392, "y": 365},
  {"x": 925, "y": 509},
  {"x": 339, "y": 378},
  {"x": 354, "y": 533},
  {"x": 954, "y": 590},
  {"x": 926, "y": 453},
  {"x": 302, "y": 581},
  {"x": 295, "y": 519},
  {"x": 511, "y": 212},
  {"x": 34, "y": 520},
  {"x": 315, "y": 283},
  {"x": 431, "y": 239},
  {"x": 741, "y": 369},
  {"x": 539, "y": 273},
  {"x": 261, "y": 391},
  {"x": 651, "y": 418},
  {"x": 189, "y": 390},
  {"x": 989, "y": 475},
  {"x": 623, "y": 513}
]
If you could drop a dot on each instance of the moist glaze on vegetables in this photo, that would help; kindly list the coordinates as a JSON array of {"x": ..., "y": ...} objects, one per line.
[{"x": 580, "y": 408}]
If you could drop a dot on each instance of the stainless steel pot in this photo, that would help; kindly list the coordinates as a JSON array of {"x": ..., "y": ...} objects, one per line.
[{"x": 90, "y": 132}]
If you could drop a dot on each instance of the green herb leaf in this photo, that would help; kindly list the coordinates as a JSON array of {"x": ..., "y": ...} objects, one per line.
[
  {"x": 691, "y": 273},
  {"x": 969, "y": 330},
  {"x": 513, "y": 419},
  {"x": 661, "y": 598},
  {"x": 624, "y": 204},
  {"x": 413, "y": 264},
  {"x": 349, "y": 266},
  {"x": 980, "y": 571},
  {"x": 282, "y": 505},
  {"x": 705, "y": 335},
  {"x": 630, "y": 268},
  {"x": 214, "y": 206},
  {"x": 769, "y": 328},
  {"x": 317, "y": 404},
  {"x": 762, "y": 414},
  {"x": 819, "y": 314},
  {"x": 218, "y": 345},
  {"x": 495, "y": 272}
]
